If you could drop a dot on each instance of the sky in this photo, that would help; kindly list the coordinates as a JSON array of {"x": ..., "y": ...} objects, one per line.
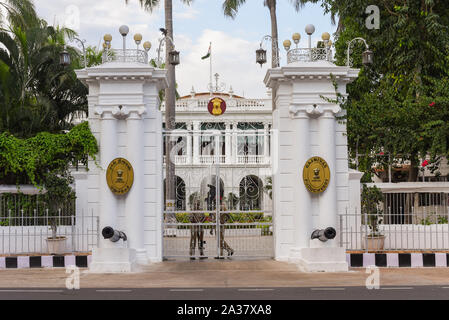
[{"x": 234, "y": 41}]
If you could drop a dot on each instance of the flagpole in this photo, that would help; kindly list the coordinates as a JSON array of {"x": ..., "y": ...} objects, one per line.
[{"x": 210, "y": 74}]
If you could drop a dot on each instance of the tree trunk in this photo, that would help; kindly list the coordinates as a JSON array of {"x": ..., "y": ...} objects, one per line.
[
  {"x": 413, "y": 173},
  {"x": 170, "y": 105},
  {"x": 274, "y": 45},
  {"x": 274, "y": 34}
]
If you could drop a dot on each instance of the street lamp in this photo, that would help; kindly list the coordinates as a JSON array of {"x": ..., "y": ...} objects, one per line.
[
  {"x": 173, "y": 55},
  {"x": 367, "y": 56},
  {"x": 64, "y": 58},
  {"x": 261, "y": 53},
  {"x": 147, "y": 47},
  {"x": 84, "y": 49}
]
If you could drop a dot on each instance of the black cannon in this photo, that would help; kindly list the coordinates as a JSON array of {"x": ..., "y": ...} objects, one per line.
[
  {"x": 113, "y": 235},
  {"x": 324, "y": 234}
]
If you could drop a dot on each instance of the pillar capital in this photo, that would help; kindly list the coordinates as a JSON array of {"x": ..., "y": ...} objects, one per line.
[
  {"x": 299, "y": 111},
  {"x": 121, "y": 112}
]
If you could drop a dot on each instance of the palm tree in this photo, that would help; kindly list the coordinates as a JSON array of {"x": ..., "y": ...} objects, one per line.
[
  {"x": 231, "y": 7},
  {"x": 170, "y": 92},
  {"x": 36, "y": 93}
]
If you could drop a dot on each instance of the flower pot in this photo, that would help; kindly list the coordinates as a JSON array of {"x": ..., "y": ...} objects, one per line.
[
  {"x": 56, "y": 245},
  {"x": 373, "y": 243}
]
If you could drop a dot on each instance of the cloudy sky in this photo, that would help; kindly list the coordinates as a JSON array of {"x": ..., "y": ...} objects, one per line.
[{"x": 233, "y": 41}]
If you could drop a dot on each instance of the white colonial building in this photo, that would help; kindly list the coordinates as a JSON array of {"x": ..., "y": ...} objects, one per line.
[{"x": 236, "y": 141}]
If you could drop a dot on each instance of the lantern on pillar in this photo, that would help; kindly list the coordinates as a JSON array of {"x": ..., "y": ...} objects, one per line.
[
  {"x": 368, "y": 58},
  {"x": 261, "y": 56},
  {"x": 173, "y": 57}
]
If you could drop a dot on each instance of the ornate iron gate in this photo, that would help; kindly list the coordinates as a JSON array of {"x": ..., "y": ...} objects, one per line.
[{"x": 223, "y": 201}]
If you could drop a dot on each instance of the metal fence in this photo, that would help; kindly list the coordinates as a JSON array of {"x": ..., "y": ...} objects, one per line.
[
  {"x": 30, "y": 234},
  {"x": 403, "y": 222},
  {"x": 240, "y": 234},
  {"x": 17, "y": 209}
]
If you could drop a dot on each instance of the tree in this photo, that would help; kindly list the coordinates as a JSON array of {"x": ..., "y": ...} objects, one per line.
[
  {"x": 231, "y": 7},
  {"x": 36, "y": 92},
  {"x": 399, "y": 107},
  {"x": 170, "y": 92}
]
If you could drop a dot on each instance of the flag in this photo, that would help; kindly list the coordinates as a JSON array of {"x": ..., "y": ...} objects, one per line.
[{"x": 208, "y": 53}]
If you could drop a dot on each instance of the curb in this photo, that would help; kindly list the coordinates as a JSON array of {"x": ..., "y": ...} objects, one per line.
[
  {"x": 355, "y": 260},
  {"x": 398, "y": 260},
  {"x": 24, "y": 262}
]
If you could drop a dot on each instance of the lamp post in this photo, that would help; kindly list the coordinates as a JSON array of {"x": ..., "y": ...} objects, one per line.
[
  {"x": 124, "y": 30},
  {"x": 82, "y": 42},
  {"x": 64, "y": 58},
  {"x": 147, "y": 47},
  {"x": 367, "y": 56},
  {"x": 173, "y": 56},
  {"x": 261, "y": 53},
  {"x": 310, "y": 29}
]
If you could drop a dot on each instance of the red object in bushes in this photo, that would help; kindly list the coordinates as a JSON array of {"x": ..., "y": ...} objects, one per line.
[
  {"x": 424, "y": 163},
  {"x": 432, "y": 104}
]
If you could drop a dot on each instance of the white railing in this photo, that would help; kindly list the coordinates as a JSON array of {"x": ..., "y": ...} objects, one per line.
[
  {"x": 212, "y": 159},
  {"x": 251, "y": 159},
  {"x": 128, "y": 55},
  {"x": 240, "y": 105},
  {"x": 406, "y": 231},
  {"x": 178, "y": 159},
  {"x": 241, "y": 159},
  {"x": 307, "y": 55},
  {"x": 29, "y": 234}
]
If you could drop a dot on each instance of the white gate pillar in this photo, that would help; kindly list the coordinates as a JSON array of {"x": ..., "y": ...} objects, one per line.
[
  {"x": 124, "y": 116},
  {"x": 108, "y": 152},
  {"x": 328, "y": 200},
  {"x": 305, "y": 126},
  {"x": 134, "y": 201}
]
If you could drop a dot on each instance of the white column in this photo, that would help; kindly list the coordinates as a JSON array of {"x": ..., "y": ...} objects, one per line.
[
  {"x": 228, "y": 139},
  {"x": 134, "y": 199},
  {"x": 328, "y": 199},
  {"x": 303, "y": 216},
  {"x": 189, "y": 143},
  {"x": 108, "y": 152},
  {"x": 235, "y": 145},
  {"x": 196, "y": 142},
  {"x": 266, "y": 151}
]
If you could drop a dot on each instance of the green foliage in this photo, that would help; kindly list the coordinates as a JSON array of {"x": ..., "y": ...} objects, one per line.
[
  {"x": 400, "y": 105},
  {"x": 371, "y": 198},
  {"x": 31, "y": 160},
  {"x": 36, "y": 92}
]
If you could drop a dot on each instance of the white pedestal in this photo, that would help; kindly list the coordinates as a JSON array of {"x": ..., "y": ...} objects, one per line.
[
  {"x": 113, "y": 260},
  {"x": 325, "y": 259}
]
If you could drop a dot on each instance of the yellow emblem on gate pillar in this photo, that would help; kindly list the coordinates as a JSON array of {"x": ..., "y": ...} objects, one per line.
[
  {"x": 316, "y": 175},
  {"x": 120, "y": 176}
]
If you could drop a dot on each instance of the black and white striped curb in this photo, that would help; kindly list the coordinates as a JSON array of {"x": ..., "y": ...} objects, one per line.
[
  {"x": 21, "y": 262},
  {"x": 355, "y": 260},
  {"x": 393, "y": 260}
]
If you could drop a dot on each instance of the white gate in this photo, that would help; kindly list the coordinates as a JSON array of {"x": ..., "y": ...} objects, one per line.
[{"x": 223, "y": 196}]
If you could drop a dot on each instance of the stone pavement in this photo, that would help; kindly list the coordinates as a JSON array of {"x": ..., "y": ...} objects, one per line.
[{"x": 226, "y": 273}]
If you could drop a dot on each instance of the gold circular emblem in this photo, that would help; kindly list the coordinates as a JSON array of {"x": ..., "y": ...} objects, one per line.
[
  {"x": 316, "y": 175},
  {"x": 120, "y": 176}
]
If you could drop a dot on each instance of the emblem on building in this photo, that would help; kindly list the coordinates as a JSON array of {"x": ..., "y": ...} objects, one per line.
[
  {"x": 216, "y": 106},
  {"x": 316, "y": 175},
  {"x": 120, "y": 176}
]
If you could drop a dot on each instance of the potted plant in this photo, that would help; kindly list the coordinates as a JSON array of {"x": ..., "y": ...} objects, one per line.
[
  {"x": 373, "y": 216},
  {"x": 58, "y": 193}
]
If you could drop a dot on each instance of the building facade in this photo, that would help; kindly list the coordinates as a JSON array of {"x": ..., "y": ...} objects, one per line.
[{"x": 235, "y": 145}]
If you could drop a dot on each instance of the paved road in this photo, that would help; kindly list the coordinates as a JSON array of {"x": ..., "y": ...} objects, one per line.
[{"x": 262, "y": 295}]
